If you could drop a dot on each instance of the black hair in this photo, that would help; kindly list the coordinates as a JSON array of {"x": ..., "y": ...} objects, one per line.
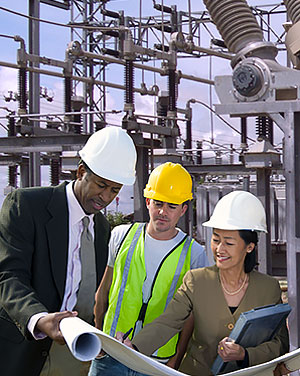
[
  {"x": 86, "y": 167},
  {"x": 249, "y": 237}
]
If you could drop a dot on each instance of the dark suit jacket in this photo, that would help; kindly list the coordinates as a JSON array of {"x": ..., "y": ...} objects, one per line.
[
  {"x": 201, "y": 293},
  {"x": 34, "y": 235}
]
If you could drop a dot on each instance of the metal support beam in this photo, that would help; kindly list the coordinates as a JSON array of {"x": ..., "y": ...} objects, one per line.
[
  {"x": 63, "y": 4},
  {"x": 264, "y": 247},
  {"x": 24, "y": 172},
  {"x": 34, "y": 87},
  {"x": 57, "y": 143},
  {"x": 236, "y": 169},
  {"x": 132, "y": 125},
  {"x": 142, "y": 168},
  {"x": 292, "y": 175}
]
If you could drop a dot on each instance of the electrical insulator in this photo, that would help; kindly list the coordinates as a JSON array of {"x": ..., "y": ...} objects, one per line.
[
  {"x": 111, "y": 33},
  {"x": 109, "y": 13},
  {"x": 129, "y": 82},
  {"x": 12, "y": 176},
  {"x": 218, "y": 42},
  {"x": 11, "y": 126},
  {"x": 160, "y": 47},
  {"x": 227, "y": 16},
  {"x": 161, "y": 8},
  {"x": 68, "y": 93},
  {"x": 293, "y": 10},
  {"x": 22, "y": 89},
  {"x": 172, "y": 89},
  {"x": 162, "y": 110},
  {"x": 109, "y": 51},
  {"x": 264, "y": 128},
  {"x": 165, "y": 28},
  {"x": 78, "y": 126},
  {"x": 261, "y": 126},
  {"x": 54, "y": 171}
]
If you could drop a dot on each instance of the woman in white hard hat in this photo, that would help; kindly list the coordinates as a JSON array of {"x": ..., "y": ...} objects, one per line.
[{"x": 217, "y": 295}]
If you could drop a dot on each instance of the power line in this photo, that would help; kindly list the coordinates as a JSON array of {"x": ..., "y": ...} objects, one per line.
[
  {"x": 219, "y": 116},
  {"x": 7, "y": 36},
  {"x": 99, "y": 28}
]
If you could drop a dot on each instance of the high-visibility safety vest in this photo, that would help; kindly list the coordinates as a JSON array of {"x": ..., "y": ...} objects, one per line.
[{"x": 126, "y": 306}]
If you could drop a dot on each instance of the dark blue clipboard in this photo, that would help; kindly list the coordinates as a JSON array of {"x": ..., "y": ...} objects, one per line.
[{"x": 253, "y": 328}]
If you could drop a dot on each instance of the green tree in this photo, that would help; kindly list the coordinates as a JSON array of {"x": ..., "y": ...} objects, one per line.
[{"x": 116, "y": 218}]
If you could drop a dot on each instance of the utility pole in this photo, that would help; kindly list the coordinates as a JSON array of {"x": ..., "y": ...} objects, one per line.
[{"x": 34, "y": 87}]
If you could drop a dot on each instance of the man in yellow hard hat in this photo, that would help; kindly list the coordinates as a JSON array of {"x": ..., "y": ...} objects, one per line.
[
  {"x": 53, "y": 251},
  {"x": 146, "y": 264}
]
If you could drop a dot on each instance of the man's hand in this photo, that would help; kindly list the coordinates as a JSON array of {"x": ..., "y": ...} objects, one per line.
[
  {"x": 229, "y": 351},
  {"x": 49, "y": 325},
  {"x": 173, "y": 362},
  {"x": 127, "y": 342},
  {"x": 280, "y": 370}
]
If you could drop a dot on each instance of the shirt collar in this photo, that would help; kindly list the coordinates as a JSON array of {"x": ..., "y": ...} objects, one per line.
[{"x": 76, "y": 213}]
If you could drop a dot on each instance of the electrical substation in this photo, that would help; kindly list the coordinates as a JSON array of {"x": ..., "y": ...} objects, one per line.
[{"x": 110, "y": 51}]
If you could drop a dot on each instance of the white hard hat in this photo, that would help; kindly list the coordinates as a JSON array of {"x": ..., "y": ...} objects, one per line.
[
  {"x": 238, "y": 210},
  {"x": 111, "y": 154}
]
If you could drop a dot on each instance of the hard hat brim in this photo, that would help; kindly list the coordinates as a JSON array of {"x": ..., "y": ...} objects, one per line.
[
  {"x": 162, "y": 198},
  {"x": 221, "y": 226}
]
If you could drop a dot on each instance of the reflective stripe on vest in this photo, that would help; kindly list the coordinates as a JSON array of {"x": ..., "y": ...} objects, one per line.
[
  {"x": 125, "y": 276},
  {"x": 175, "y": 279},
  {"x": 178, "y": 269}
]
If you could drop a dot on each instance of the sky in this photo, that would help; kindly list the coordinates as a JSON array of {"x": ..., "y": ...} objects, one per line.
[{"x": 53, "y": 43}]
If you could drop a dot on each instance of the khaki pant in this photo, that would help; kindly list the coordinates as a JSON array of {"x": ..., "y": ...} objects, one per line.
[{"x": 60, "y": 362}]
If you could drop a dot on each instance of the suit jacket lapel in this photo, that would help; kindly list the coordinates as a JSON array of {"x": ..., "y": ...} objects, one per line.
[
  {"x": 58, "y": 236},
  {"x": 102, "y": 235}
]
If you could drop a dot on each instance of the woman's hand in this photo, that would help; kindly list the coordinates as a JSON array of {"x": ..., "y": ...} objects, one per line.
[{"x": 229, "y": 351}]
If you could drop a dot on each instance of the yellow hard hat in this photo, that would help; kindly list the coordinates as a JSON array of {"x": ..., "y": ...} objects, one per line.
[{"x": 169, "y": 182}]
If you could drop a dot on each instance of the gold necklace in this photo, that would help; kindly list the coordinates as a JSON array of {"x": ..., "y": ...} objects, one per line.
[{"x": 236, "y": 291}]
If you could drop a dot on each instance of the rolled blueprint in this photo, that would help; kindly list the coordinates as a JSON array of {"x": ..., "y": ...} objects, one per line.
[
  {"x": 81, "y": 339},
  {"x": 85, "y": 342}
]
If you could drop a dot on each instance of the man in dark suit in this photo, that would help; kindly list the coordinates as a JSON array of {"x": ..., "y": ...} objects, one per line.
[{"x": 41, "y": 248}]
